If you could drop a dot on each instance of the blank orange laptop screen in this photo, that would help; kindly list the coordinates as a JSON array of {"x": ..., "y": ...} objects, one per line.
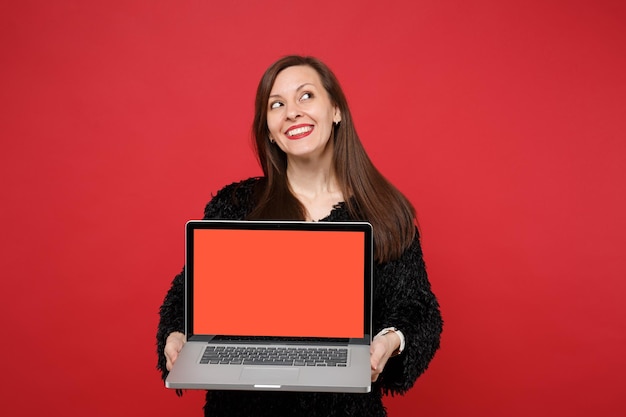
[{"x": 278, "y": 283}]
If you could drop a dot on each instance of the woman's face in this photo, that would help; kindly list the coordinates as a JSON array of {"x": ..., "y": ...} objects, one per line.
[{"x": 300, "y": 114}]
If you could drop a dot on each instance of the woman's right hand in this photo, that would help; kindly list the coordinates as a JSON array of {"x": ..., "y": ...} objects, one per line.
[{"x": 173, "y": 344}]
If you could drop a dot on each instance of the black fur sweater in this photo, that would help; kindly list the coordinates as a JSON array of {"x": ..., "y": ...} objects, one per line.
[{"x": 402, "y": 298}]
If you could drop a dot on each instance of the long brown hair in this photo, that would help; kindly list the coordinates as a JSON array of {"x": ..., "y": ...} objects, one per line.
[{"x": 369, "y": 196}]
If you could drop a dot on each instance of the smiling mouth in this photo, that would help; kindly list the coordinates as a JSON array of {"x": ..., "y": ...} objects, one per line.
[{"x": 299, "y": 132}]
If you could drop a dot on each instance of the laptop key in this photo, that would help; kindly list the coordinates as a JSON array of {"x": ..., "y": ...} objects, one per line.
[
  {"x": 254, "y": 362},
  {"x": 268, "y": 362}
]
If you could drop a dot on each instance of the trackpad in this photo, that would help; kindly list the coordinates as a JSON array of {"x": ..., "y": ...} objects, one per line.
[{"x": 265, "y": 375}]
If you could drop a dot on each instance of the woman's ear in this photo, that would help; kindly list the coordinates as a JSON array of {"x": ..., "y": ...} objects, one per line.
[{"x": 337, "y": 116}]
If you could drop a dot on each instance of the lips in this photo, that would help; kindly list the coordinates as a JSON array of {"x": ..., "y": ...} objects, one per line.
[{"x": 298, "y": 131}]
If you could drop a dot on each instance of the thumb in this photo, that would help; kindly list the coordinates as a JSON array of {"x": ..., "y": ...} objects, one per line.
[{"x": 376, "y": 354}]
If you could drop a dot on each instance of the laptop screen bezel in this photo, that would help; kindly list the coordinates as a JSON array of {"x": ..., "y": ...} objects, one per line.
[{"x": 356, "y": 226}]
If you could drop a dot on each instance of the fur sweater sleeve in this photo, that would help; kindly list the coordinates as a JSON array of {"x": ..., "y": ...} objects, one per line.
[{"x": 403, "y": 299}]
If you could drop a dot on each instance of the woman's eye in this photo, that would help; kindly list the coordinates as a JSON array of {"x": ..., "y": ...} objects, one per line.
[
  {"x": 306, "y": 96},
  {"x": 275, "y": 105}
]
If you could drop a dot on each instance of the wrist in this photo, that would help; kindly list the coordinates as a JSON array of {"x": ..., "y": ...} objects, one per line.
[{"x": 398, "y": 338}]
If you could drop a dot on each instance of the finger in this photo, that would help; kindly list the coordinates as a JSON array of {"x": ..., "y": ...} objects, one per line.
[
  {"x": 375, "y": 375},
  {"x": 377, "y": 351},
  {"x": 377, "y": 359},
  {"x": 374, "y": 362},
  {"x": 170, "y": 355}
]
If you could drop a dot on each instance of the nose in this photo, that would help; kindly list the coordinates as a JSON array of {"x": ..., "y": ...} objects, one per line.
[{"x": 293, "y": 111}]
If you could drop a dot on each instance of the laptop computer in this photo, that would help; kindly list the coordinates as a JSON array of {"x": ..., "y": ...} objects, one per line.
[{"x": 276, "y": 305}]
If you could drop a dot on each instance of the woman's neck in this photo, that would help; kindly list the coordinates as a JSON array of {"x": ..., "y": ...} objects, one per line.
[
  {"x": 316, "y": 186},
  {"x": 311, "y": 182}
]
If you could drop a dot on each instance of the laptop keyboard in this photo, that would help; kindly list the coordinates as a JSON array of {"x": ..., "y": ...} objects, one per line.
[{"x": 281, "y": 356}]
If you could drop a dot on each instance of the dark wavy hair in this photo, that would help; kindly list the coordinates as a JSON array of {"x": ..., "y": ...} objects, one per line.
[{"x": 368, "y": 194}]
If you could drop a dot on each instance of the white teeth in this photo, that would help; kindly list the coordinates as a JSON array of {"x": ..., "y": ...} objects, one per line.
[{"x": 299, "y": 130}]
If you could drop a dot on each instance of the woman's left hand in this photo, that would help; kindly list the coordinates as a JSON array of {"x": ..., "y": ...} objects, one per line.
[{"x": 381, "y": 349}]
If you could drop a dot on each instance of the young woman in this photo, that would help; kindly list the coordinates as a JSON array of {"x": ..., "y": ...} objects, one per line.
[{"x": 316, "y": 169}]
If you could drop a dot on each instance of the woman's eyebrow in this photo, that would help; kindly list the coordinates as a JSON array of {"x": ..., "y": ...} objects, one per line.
[
  {"x": 304, "y": 85},
  {"x": 297, "y": 89}
]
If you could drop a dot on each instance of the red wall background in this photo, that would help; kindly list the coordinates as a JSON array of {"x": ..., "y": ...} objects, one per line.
[{"x": 502, "y": 121}]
